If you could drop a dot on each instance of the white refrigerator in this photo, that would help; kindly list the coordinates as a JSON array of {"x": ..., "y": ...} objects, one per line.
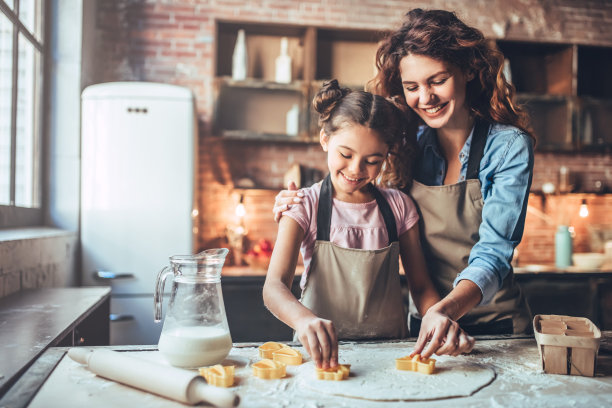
[{"x": 138, "y": 158}]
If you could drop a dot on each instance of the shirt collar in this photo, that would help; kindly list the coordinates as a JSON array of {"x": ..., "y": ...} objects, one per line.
[
  {"x": 428, "y": 140},
  {"x": 464, "y": 154}
]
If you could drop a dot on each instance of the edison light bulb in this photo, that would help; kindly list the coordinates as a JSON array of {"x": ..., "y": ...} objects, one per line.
[
  {"x": 584, "y": 210},
  {"x": 240, "y": 210}
]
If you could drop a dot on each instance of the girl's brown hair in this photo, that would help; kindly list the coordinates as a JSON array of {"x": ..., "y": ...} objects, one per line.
[
  {"x": 340, "y": 107},
  {"x": 440, "y": 35}
]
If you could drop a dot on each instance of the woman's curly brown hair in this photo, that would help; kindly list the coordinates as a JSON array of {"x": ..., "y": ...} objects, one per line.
[
  {"x": 440, "y": 35},
  {"x": 340, "y": 107}
]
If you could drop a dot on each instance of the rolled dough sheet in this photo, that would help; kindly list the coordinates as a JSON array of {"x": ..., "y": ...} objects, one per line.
[{"x": 374, "y": 377}]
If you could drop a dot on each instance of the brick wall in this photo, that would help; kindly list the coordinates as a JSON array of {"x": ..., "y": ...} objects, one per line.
[
  {"x": 173, "y": 42},
  {"x": 32, "y": 258}
]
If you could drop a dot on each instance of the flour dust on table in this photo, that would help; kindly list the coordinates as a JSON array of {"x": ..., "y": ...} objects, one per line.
[{"x": 374, "y": 377}]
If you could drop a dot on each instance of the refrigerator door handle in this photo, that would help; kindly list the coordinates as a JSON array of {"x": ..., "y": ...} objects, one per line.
[
  {"x": 106, "y": 275},
  {"x": 120, "y": 317}
]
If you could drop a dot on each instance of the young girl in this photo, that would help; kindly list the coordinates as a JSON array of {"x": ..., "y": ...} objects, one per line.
[
  {"x": 350, "y": 233},
  {"x": 473, "y": 177}
]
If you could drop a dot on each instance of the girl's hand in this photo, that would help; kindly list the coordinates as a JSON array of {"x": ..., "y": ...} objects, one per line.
[
  {"x": 444, "y": 336},
  {"x": 284, "y": 199},
  {"x": 319, "y": 338}
]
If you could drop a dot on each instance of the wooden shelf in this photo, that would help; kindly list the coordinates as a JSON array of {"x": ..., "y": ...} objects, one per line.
[
  {"x": 565, "y": 87},
  {"x": 251, "y": 136},
  {"x": 260, "y": 84}
]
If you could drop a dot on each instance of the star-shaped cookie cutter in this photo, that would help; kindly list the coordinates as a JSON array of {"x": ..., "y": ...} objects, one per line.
[
  {"x": 338, "y": 373},
  {"x": 424, "y": 366}
]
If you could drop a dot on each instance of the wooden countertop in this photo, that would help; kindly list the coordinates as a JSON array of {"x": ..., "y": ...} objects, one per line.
[
  {"x": 519, "y": 381},
  {"x": 33, "y": 320}
]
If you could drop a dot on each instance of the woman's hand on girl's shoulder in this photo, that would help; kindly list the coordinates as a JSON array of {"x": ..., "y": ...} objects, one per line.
[
  {"x": 319, "y": 338},
  {"x": 285, "y": 199}
]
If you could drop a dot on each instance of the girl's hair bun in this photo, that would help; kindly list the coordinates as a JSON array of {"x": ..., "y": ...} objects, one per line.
[{"x": 327, "y": 98}]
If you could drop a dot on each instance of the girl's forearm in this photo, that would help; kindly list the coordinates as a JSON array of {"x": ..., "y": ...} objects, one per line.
[{"x": 281, "y": 302}]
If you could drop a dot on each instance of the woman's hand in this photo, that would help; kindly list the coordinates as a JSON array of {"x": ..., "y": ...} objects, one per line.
[
  {"x": 444, "y": 336},
  {"x": 284, "y": 199},
  {"x": 319, "y": 338}
]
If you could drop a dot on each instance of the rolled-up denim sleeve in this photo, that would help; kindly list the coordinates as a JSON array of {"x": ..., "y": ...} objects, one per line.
[{"x": 506, "y": 193}]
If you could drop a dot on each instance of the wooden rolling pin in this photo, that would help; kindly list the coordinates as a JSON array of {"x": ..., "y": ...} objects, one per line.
[{"x": 170, "y": 382}]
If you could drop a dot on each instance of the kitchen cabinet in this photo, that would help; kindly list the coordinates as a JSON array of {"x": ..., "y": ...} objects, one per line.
[
  {"x": 566, "y": 91},
  {"x": 247, "y": 316},
  {"x": 581, "y": 294}
]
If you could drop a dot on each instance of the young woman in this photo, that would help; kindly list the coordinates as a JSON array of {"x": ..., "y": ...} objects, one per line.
[
  {"x": 472, "y": 179},
  {"x": 350, "y": 233}
]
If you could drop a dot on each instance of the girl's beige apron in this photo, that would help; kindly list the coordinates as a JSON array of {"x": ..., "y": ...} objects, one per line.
[
  {"x": 359, "y": 290},
  {"x": 450, "y": 217}
]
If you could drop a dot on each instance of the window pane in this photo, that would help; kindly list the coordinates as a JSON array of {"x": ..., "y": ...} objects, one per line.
[
  {"x": 30, "y": 12},
  {"x": 6, "y": 90},
  {"x": 27, "y": 157},
  {"x": 10, "y": 3}
]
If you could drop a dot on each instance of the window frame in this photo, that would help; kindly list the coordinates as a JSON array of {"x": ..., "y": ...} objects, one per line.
[{"x": 11, "y": 215}]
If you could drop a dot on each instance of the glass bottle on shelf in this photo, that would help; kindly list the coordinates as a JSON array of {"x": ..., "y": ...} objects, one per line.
[
  {"x": 239, "y": 58},
  {"x": 293, "y": 116},
  {"x": 563, "y": 247},
  {"x": 283, "y": 63}
]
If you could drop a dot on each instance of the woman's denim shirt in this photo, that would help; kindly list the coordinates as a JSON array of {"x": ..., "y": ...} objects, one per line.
[{"x": 505, "y": 176}]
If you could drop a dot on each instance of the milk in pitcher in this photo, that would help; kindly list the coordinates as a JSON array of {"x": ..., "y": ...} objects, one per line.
[{"x": 195, "y": 346}]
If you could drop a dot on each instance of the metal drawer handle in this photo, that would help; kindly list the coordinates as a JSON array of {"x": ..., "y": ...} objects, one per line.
[
  {"x": 120, "y": 317},
  {"x": 104, "y": 275}
]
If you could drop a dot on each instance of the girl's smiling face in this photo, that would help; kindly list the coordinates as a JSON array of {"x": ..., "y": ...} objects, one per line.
[
  {"x": 435, "y": 90},
  {"x": 355, "y": 155}
]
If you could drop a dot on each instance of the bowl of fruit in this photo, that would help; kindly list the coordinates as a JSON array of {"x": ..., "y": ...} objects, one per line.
[{"x": 258, "y": 257}]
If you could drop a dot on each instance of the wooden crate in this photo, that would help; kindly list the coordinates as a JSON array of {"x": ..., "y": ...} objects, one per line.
[{"x": 567, "y": 345}]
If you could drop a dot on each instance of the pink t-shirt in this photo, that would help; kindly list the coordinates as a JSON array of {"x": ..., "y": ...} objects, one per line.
[{"x": 353, "y": 225}]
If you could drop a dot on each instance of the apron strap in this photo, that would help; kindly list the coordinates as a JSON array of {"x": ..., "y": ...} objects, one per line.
[
  {"x": 479, "y": 140},
  {"x": 386, "y": 212},
  {"x": 324, "y": 211}
]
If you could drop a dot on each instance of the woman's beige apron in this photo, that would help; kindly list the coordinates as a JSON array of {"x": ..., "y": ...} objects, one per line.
[
  {"x": 358, "y": 290},
  {"x": 450, "y": 217}
]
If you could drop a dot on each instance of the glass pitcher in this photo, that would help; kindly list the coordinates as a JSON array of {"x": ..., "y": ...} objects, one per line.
[{"x": 195, "y": 331}]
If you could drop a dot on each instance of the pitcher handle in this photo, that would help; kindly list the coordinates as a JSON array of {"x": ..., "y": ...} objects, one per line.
[{"x": 159, "y": 291}]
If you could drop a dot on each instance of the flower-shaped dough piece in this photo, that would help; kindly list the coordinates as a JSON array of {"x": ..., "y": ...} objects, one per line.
[
  {"x": 338, "y": 373},
  {"x": 424, "y": 366},
  {"x": 218, "y": 375},
  {"x": 269, "y": 369},
  {"x": 266, "y": 349},
  {"x": 288, "y": 356}
]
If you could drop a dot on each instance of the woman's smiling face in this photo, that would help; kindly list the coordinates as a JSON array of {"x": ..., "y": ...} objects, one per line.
[{"x": 435, "y": 90}]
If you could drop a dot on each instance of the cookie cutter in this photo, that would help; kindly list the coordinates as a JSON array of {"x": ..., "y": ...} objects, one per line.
[
  {"x": 218, "y": 375},
  {"x": 269, "y": 369},
  {"x": 288, "y": 356},
  {"x": 266, "y": 350},
  {"x": 338, "y": 373},
  {"x": 424, "y": 366}
]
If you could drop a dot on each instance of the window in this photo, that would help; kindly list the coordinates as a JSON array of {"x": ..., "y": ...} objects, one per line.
[{"x": 21, "y": 85}]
